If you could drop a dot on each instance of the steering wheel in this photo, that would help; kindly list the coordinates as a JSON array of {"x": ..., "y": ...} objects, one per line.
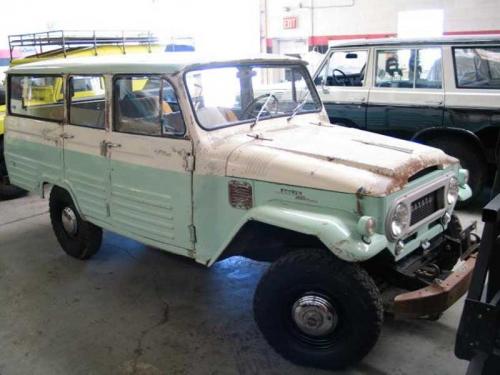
[
  {"x": 344, "y": 83},
  {"x": 249, "y": 110}
]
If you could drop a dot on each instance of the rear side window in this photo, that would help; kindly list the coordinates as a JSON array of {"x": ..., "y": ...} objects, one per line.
[
  {"x": 477, "y": 67},
  {"x": 409, "y": 68},
  {"x": 146, "y": 105},
  {"x": 87, "y": 101},
  {"x": 39, "y": 97}
]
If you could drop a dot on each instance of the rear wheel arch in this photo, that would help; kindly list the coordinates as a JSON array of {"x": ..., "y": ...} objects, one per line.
[{"x": 461, "y": 135}]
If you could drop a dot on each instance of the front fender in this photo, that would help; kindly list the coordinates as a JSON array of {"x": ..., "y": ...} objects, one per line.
[{"x": 335, "y": 229}]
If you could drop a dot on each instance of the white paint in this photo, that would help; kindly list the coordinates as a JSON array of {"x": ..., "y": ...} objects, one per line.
[{"x": 420, "y": 23}]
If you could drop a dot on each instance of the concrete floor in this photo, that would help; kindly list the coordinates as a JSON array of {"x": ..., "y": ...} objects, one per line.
[{"x": 135, "y": 310}]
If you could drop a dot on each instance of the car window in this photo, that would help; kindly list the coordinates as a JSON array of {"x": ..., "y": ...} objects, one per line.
[
  {"x": 344, "y": 68},
  {"x": 409, "y": 68},
  {"x": 147, "y": 105},
  {"x": 393, "y": 68},
  {"x": 37, "y": 96},
  {"x": 87, "y": 101},
  {"x": 477, "y": 67},
  {"x": 428, "y": 73}
]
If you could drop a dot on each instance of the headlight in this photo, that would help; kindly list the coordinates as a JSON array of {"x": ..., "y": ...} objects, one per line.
[
  {"x": 400, "y": 220},
  {"x": 453, "y": 187}
]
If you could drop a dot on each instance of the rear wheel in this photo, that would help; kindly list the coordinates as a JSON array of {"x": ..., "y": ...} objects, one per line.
[
  {"x": 469, "y": 158},
  {"x": 317, "y": 310},
  {"x": 78, "y": 238}
]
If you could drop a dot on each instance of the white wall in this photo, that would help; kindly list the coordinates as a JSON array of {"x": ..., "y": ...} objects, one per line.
[{"x": 355, "y": 18}]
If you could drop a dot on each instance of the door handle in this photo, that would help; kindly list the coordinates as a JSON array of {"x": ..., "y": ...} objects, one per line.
[
  {"x": 113, "y": 145},
  {"x": 66, "y": 136}
]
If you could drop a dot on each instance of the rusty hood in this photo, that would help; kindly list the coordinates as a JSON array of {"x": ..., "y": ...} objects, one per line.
[{"x": 333, "y": 158}]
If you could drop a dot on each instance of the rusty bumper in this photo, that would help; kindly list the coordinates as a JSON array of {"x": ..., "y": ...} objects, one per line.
[{"x": 438, "y": 296}]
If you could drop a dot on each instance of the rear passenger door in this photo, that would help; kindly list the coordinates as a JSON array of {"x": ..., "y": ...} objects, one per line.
[
  {"x": 342, "y": 85},
  {"x": 407, "y": 93},
  {"x": 151, "y": 163},
  {"x": 86, "y": 167}
]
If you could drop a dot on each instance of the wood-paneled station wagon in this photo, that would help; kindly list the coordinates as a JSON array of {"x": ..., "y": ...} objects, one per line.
[{"x": 211, "y": 159}]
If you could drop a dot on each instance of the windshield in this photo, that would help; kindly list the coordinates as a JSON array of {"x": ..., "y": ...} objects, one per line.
[{"x": 231, "y": 95}]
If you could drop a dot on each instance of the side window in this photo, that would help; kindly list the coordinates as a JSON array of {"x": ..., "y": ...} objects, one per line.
[
  {"x": 87, "y": 101},
  {"x": 395, "y": 68},
  {"x": 146, "y": 105},
  {"x": 345, "y": 68},
  {"x": 477, "y": 67},
  {"x": 429, "y": 71},
  {"x": 409, "y": 68},
  {"x": 36, "y": 96}
]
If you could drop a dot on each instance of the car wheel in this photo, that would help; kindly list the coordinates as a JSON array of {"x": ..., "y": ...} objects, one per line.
[
  {"x": 315, "y": 309},
  {"x": 469, "y": 159},
  {"x": 78, "y": 238}
]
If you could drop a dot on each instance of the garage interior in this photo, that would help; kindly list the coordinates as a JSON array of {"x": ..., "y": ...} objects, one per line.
[{"x": 134, "y": 309}]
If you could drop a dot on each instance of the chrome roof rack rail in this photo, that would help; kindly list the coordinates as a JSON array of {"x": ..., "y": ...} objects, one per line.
[{"x": 66, "y": 39}]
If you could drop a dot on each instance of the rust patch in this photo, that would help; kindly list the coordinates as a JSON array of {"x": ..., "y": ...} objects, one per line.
[{"x": 438, "y": 296}]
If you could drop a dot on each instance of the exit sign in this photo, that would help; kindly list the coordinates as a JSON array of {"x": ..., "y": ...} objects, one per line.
[{"x": 289, "y": 22}]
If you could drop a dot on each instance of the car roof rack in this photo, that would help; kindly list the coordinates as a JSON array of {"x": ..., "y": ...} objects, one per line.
[{"x": 66, "y": 40}]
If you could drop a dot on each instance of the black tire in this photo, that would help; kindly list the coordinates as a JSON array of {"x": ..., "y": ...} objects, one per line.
[
  {"x": 350, "y": 291},
  {"x": 85, "y": 240},
  {"x": 470, "y": 159},
  {"x": 7, "y": 191}
]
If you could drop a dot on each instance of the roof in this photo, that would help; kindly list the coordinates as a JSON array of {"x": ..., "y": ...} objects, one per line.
[
  {"x": 418, "y": 41},
  {"x": 159, "y": 63}
]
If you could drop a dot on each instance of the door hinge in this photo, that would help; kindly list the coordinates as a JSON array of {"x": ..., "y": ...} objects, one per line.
[
  {"x": 189, "y": 162},
  {"x": 192, "y": 233}
]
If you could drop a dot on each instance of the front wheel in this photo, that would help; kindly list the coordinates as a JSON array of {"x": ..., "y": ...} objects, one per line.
[
  {"x": 317, "y": 310},
  {"x": 78, "y": 238}
]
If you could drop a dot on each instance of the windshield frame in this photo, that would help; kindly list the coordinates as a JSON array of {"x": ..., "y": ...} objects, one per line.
[{"x": 298, "y": 64}]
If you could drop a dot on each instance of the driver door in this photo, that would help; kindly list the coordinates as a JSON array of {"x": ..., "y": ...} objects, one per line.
[{"x": 341, "y": 83}]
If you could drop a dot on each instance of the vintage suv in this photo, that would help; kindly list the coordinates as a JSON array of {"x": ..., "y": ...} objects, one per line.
[
  {"x": 443, "y": 92},
  {"x": 210, "y": 159}
]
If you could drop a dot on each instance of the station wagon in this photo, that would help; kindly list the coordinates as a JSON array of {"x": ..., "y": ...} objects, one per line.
[
  {"x": 215, "y": 158},
  {"x": 443, "y": 92}
]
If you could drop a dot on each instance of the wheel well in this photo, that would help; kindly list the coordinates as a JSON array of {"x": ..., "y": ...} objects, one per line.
[
  {"x": 265, "y": 242},
  {"x": 469, "y": 139},
  {"x": 46, "y": 188}
]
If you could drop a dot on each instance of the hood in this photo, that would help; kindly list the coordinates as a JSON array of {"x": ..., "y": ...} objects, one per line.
[{"x": 333, "y": 158}]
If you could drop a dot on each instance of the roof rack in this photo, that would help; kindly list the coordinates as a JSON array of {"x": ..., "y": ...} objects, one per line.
[{"x": 66, "y": 40}]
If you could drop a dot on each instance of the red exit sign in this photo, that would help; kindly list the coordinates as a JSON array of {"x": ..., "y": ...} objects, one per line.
[{"x": 289, "y": 22}]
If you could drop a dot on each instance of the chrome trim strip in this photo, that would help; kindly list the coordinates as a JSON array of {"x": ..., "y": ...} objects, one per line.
[{"x": 413, "y": 195}]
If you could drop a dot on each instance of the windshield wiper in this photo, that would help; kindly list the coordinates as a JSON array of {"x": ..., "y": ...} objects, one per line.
[
  {"x": 257, "y": 118},
  {"x": 298, "y": 107}
]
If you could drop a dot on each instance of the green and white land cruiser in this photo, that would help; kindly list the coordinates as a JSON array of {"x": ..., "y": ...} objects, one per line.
[{"x": 211, "y": 159}]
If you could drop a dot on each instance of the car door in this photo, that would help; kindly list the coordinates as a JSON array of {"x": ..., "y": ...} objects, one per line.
[
  {"x": 407, "y": 93},
  {"x": 151, "y": 163},
  {"x": 86, "y": 166},
  {"x": 341, "y": 83}
]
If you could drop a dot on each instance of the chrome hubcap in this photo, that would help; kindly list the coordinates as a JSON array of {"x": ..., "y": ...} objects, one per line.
[
  {"x": 69, "y": 221},
  {"x": 314, "y": 315}
]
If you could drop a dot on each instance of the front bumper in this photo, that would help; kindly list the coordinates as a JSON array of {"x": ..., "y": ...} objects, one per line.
[{"x": 438, "y": 296}]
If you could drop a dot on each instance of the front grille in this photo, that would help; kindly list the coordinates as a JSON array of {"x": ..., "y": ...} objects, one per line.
[{"x": 426, "y": 206}]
